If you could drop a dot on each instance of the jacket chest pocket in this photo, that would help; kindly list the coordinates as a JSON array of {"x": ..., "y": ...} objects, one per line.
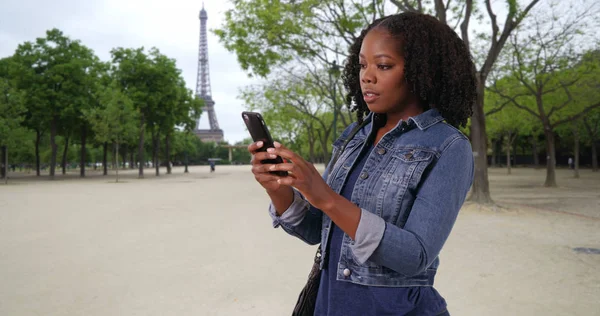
[
  {"x": 409, "y": 166},
  {"x": 404, "y": 174}
]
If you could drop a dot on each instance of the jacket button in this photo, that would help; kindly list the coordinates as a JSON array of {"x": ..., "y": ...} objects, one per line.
[
  {"x": 381, "y": 151},
  {"x": 364, "y": 175},
  {"x": 346, "y": 272}
]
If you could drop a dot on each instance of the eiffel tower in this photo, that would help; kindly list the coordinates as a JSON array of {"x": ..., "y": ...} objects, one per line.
[{"x": 214, "y": 133}]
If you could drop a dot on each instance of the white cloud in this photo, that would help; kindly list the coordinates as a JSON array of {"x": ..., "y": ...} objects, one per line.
[{"x": 173, "y": 27}]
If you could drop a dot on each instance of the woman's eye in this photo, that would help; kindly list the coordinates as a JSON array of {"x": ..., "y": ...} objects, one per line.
[
  {"x": 362, "y": 66},
  {"x": 384, "y": 67}
]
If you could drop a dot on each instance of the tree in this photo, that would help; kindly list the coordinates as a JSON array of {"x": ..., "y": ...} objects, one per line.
[
  {"x": 300, "y": 41},
  {"x": 486, "y": 52},
  {"x": 293, "y": 106},
  {"x": 506, "y": 123},
  {"x": 134, "y": 72},
  {"x": 55, "y": 70},
  {"x": 182, "y": 111},
  {"x": 546, "y": 62},
  {"x": 12, "y": 112},
  {"x": 592, "y": 127},
  {"x": 266, "y": 35},
  {"x": 115, "y": 122}
]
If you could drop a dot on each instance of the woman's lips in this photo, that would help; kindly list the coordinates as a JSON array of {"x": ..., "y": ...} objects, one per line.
[{"x": 370, "y": 96}]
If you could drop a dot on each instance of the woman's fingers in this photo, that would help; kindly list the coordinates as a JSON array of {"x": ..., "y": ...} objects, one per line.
[
  {"x": 266, "y": 177},
  {"x": 286, "y": 154},
  {"x": 260, "y": 168},
  {"x": 260, "y": 156},
  {"x": 252, "y": 148},
  {"x": 290, "y": 180},
  {"x": 282, "y": 167}
]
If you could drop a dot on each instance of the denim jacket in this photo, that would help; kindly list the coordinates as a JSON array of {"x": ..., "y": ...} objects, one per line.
[{"x": 410, "y": 192}]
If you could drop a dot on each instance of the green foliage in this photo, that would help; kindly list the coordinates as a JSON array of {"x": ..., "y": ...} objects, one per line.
[
  {"x": 12, "y": 109},
  {"x": 294, "y": 45},
  {"x": 155, "y": 86},
  {"x": 116, "y": 121},
  {"x": 266, "y": 34},
  {"x": 297, "y": 113},
  {"x": 55, "y": 88}
]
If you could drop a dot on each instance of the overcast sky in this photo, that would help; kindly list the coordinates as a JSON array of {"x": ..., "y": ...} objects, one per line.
[{"x": 171, "y": 26}]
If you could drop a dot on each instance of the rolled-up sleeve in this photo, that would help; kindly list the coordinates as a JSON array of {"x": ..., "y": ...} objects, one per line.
[
  {"x": 293, "y": 215},
  {"x": 368, "y": 235}
]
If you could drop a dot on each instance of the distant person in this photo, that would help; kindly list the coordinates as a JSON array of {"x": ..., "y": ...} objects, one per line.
[
  {"x": 384, "y": 210},
  {"x": 212, "y": 165},
  {"x": 571, "y": 164}
]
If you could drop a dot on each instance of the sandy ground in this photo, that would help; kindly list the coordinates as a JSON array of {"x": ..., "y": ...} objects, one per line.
[{"x": 202, "y": 244}]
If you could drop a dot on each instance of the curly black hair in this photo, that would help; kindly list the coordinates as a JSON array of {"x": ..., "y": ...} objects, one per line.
[{"x": 438, "y": 66}]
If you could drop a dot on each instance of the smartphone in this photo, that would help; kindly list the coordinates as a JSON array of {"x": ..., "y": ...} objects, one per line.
[{"x": 259, "y": 132}]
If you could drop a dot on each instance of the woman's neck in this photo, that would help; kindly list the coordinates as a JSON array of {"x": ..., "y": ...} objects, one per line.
[{"x": 394, "y": 117}]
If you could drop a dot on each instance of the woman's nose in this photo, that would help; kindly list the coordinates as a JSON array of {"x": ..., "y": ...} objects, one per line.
[{"x": 367, "y": 76}]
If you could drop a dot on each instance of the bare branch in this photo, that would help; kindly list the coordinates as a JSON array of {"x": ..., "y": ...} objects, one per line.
[
  {"x": 406, "y": 6},
  {"x": 576, "y": 116},
  {"x": 588, "y": 126},
  {"x": 464, "y": 26},
  {"x": 497, "y": 109},
  {"x": 513, "y": 100},
  {"x": 562, "y": 106},
  {"x": 462, "y": 9},
  {"x": 498, "y": 43},
  {"x": 493, "y": 23}
]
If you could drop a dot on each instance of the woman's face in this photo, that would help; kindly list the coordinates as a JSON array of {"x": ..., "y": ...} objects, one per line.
[{"x": 382, "y": 82}]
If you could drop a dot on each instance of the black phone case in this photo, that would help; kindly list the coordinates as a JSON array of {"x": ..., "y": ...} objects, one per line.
[{"x": 259, "y": 132}]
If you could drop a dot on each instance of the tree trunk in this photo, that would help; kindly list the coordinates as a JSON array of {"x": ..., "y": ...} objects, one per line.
[
  {"x": 38, "y": 139},
  {"x": 141, "y": 149},
  {"x": 155, "y": 144},
  {"x": 594, "y": 156},
  {"x": 113, "y": 161},
  {"x": 513, "y": 142},
  {"x": 551, "y": 158},
  {"x": 168, "y": 153},
  {"x": 576, "y": 152},
  {"x": 53, "y": 128},
  {"x": 534, "y": 150},
  {"x": 495, "y": 152},
  {"x": 186, "y": 161},
  {"x": 480, "y": 192},
  {"x": 131, "y": 159},
  {"x": 64, "y": 156},
  {"x": 4, "y": 169},
  {"x": 311, "y": 150},
  {"x": 117, "y": 159},
  {"x": 5, "y": 150},
  {"x": 592, "y": 133},
  {"x": 508, "y": 145},
  {"x": 104, "y": 159},
  {"x": 311, "y": 143},
  {"x": 83, "y": 151},
  {"x": 124, "y": 156}
]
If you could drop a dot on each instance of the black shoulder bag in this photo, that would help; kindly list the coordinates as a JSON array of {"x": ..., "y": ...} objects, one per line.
[{"x": 305, "y": 306}]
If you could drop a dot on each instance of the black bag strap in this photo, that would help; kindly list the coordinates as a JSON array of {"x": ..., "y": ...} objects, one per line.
[{"x": 347, "y": 140}]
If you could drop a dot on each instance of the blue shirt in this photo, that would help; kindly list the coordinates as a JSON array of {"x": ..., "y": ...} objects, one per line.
[{"x": 346, "y": 298}]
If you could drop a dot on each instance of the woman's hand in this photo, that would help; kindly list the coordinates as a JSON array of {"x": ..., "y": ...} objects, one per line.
[
  {"x": 261, "y": 171},
  {"x": 302, "y": 175}
]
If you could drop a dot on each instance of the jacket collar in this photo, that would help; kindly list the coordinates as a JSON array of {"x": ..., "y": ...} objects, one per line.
[{"x": 423, "y": 121}]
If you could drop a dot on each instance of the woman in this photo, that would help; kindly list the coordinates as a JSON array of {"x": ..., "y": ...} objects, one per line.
[{"x": 384, "y": 210}]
